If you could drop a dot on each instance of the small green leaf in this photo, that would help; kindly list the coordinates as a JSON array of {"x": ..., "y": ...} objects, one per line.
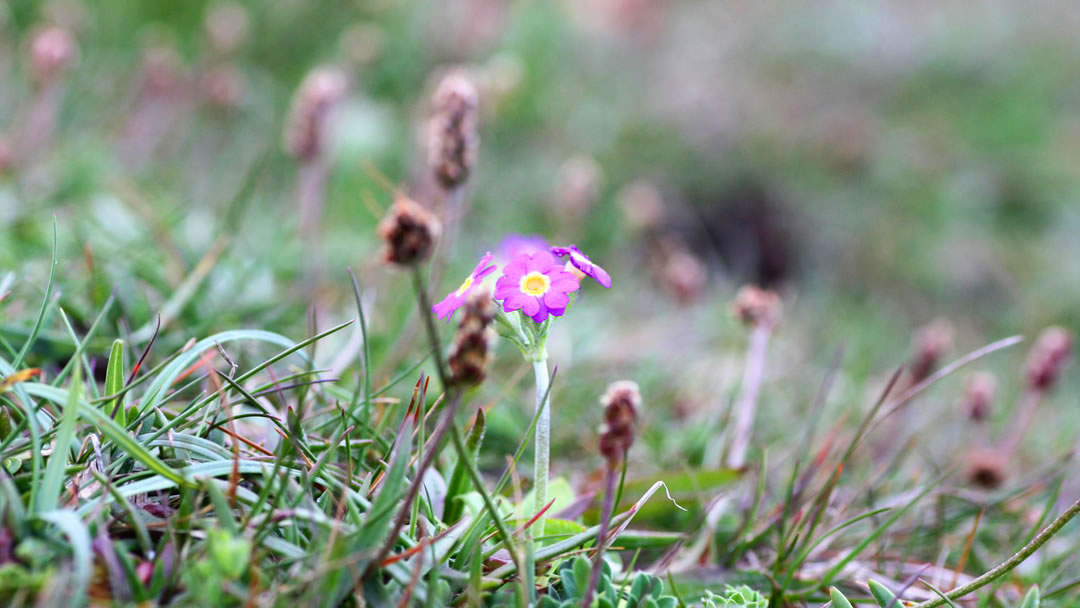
[
  {"x": 48, "y": 496},
  {"x": 882, "y": 595},
  {"x": 114, "y": 381},
  {"x": 838, "y": 599},
  {"x": 459, "y": 479}
]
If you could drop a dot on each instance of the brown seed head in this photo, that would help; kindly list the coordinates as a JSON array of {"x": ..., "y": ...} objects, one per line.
[
  {"x": 305, "y": 130},
  {"x": 409, "y": 232},
  {"x": 757, "y": 307},
  {"x": 987, "y": 468},
  {"x": 52, "y": 50},
  {"x": 452, "y": 131},
  {"x": 931, "y": 343},
  {"x": 622, "y": 405},
  {"x": 471, "y": 352},
  {"x": 1048, "y": 358},
  {"x": 979, "y": 395}
]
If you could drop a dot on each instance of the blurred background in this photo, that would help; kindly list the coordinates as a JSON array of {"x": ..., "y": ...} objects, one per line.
[{"x": 881, "y": 164}]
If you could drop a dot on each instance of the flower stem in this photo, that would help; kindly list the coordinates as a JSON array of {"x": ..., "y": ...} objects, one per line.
[
  {"x": 543, "y": 443},
  {"x": 747, "y": 404},
  {"x": 1014, "y": 561}
]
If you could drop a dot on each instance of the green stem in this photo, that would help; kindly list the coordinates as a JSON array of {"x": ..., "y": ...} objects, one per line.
[
  {"x": 543, "y": 444},
  {"x": 1010, "y": 563}
]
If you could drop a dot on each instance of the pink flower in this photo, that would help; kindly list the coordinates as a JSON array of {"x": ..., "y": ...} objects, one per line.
[
  {"x": 537, "y": 285},
  {"x": 456, "y": 299},
  {"x": 584, "y": 264}
]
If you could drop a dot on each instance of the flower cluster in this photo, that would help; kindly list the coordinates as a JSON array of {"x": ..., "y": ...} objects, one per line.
[{"x": 532, "y": 281}]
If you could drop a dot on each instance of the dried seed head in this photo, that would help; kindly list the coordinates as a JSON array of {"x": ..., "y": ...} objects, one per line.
[
  {"x": 931, "y": 343},
  {"x": 1048, "y": 358},
  {"x": 757, "y": 307},
  {"x": 52, "y": 50},
  {"x": 577, "y": 186},
  {"x": 409, "y": 231},
  {"x": 622, "y": 405},
  {"x": 452, "y": 136},
  {"x": 987, "y": 468},
  {"x": 979, "y": 395},
  {"x": 471, "y": 352},
  {"x": 227, "y": 27},
  {"x": 642, "y": 206},
  {"x": 305, "y": 130}
]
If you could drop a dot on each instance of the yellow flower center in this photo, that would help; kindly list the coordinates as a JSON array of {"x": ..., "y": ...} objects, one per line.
[
  {"x": 535, "y": 283},
  {"x": 467, "y": 284}
]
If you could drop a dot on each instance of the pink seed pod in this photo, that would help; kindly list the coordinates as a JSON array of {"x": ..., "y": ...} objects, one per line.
[
  {"x": 622, "y": 407},
  {"x": 978, "y": 396},
  {"x": 931, "y": 344}
]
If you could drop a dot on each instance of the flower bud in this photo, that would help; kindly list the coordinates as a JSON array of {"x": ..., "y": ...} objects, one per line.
[
  {"x": 622, "y": 404},
  {"x": 1048, "y": 358},
  {"x": 931, "y": 343},
  {"x": 305, "y": 130},
  {"x": 757, "y": 307},
  {"x": 409, "y": 232},
  {"x": 471, "y": 352},
  {"x": 452, "y": 136}
]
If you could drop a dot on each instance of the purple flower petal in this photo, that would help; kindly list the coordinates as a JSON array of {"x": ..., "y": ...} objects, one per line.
[
  {"x": 556, "y": 299},
  {"x": 584, "y": 264}
]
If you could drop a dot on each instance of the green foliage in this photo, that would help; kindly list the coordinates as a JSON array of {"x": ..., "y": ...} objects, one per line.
[
  {"x": 731, "y": 597},
  {"x": 573, "y": 578}
]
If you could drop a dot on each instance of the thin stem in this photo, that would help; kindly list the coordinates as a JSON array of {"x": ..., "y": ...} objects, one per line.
[
  {"x": 541, "y": 461},
  {"x": 746, "y": 406},
  {"x": 455, "y": 432},
  {"x": 1014, "y": 561},
  {"x": 601, "y": 537}
]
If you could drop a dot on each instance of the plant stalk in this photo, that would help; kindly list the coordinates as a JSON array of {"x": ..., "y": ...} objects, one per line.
[
  {"x": 746, "y": 406},
  {"x": 541, "y": 461}
]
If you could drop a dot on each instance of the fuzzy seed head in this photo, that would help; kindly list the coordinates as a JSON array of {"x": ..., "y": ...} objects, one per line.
[
  {"x": 931, "y": 343},
  {"x": 471, "y": 353},
  {"x": 622, "y": 406},
  {"x": 305, "y": 130},
  {"x": 452, "y": 131},
  {"x": 757, "y": 307},
  {"x": 52, "y": 50},
  {"x": 1048, "y": 358},
  {"x": 409, "y": 232}
]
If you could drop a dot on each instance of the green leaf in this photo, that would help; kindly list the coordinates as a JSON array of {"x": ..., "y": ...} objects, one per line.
[
  {"x": 459, "y": 479},
  {"x": 47, "y": 496},
  {"x": 374, "y": 528},
  {"x": 114, "y": 381},
  {"x": 838, "y": 599},
  {"x": 79, "y": 538},
  {"x": 882, "y": 595}
]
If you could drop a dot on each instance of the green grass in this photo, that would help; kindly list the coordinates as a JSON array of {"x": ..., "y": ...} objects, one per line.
[{"x": 200, "y": 406}]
